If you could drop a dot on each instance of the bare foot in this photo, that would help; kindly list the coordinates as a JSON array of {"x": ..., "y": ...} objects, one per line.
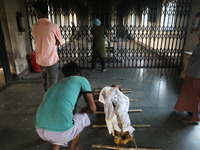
[
  {"x": 79, "y": 147},
  {"x": 118, "y": 134},
  {"x": 127, "y": 135},
  {"x": 118, "y": 140},
  {"x": 76, "y": 148},
  {"x": 191, "y": 120},
  {"x": 127, "y": 140}
]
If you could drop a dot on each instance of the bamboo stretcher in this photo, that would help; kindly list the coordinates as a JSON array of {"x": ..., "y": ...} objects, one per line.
[
  {"x": 131, "y": 100},
  {"x": 122, "y": 92},
  {"x": 131, "y": 110},
  {"x": 134, "y": 125},
  {"x": 120, "y": 148}
]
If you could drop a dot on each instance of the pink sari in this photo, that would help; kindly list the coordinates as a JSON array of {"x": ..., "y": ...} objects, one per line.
[{"x": 189, "y": 97}]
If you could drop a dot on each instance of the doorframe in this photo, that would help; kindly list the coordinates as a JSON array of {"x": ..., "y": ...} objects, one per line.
[{"x": 4, "y": 57}]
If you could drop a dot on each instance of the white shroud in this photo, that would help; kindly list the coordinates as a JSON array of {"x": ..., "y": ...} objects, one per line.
[{"x": 112, "y": 95}]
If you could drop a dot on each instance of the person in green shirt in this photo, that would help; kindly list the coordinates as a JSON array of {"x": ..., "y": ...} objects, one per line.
[
  {"x": 56, "y": 119},
  {"x": 99, "y": 50}
]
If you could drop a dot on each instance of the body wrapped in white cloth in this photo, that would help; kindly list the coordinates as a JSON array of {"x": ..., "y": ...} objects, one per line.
[{"x": 116, "y": 104}]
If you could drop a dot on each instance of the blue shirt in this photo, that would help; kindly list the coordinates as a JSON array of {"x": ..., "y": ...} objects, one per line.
[{"x": 55, "y": 113}]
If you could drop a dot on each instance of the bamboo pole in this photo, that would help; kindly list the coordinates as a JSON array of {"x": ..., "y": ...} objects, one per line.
[
  {"x": 126, "y": 89},
  {"x": 131, "y": 110},
  {"x": 127, "y": 92},
  {"x": 131, "y": 100},
  {"x": 121, "y": 148},
  {"x": 134, "y": 125},
  {"x": 122, "y": 92},
  {"x": 96, "y": 101},
  {"x": 95, "y": 93},
  {"x": 135, "y": 110},
  {"x": 98, "y": 90},
  {"x": 141, "y": 125}
]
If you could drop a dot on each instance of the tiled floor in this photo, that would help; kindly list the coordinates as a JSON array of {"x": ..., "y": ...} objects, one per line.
[{"x": 156, "y": 91}]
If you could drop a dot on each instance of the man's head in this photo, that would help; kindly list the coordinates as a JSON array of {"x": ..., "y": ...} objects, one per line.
[
  {"x": 41, "y": 8},
  {"x": 116, "y": 85},
  {"x": 71, "y": 69},
  {"x": 96, "y": 22}
]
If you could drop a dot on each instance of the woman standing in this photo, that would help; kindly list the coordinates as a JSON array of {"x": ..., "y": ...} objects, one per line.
[{"x": 189, "y": 97}]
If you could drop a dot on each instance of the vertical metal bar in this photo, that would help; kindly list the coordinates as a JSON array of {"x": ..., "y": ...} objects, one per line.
[
  {"x": 29, "y": 27},
  {"x": 178, "y": 24},
  {"x": 188, "y": 2},
  {"x": 166, "y": 29},
  {"x": 162, "y": 35}
]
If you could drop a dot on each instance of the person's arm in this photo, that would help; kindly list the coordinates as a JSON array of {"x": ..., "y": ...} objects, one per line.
[
  {"x": 91, "y": 107},
  {"x": 58, "y": 37}
]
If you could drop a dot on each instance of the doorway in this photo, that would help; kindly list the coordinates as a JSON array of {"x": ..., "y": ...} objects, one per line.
[
  {"x": 2, "y": 78},
  {"x": 5, "y": 74}
]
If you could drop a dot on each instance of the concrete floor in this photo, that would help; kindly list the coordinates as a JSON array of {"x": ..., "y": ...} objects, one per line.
[{"x": 155, "y": 89}]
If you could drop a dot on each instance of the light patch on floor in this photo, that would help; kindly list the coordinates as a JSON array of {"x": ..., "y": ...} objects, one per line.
[{"x": 2, "y": 78}]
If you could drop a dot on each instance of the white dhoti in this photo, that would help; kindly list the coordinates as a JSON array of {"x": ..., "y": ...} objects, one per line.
[{"x": 81, "y": 120}]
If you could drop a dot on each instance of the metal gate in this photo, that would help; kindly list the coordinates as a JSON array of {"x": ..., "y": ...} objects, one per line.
[{"x": 143, "y": 33}]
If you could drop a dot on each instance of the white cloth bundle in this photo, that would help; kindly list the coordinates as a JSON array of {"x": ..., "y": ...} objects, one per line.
[{"x": 112, "y": 95}]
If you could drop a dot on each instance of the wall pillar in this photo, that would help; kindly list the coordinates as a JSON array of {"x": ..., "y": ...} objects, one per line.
[{"x": 17, "y": 45}]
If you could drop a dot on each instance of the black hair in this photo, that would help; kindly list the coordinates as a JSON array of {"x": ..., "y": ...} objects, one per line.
[
  {"x": 113, "y": 85},
  {"x": 42, "y": 7},
  {"x": 71, "y": 69}
]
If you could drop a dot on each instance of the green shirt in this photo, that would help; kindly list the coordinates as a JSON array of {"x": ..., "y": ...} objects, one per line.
[{"x": 55, "y": 113}]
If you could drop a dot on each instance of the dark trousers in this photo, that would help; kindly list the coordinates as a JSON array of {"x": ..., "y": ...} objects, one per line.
[
  {"x": 49, "y": 75},
  {"x": 94, "y": 59}
]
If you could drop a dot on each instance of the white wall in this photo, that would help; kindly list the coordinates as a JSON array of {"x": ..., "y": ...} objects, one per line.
[{"x": 17, "y": 44}]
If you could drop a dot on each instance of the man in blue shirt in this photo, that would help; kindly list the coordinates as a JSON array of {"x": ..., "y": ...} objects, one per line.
[{"x": 55, "y": 121}]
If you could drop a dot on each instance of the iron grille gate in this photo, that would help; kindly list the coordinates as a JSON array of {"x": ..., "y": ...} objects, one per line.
[{"x": 143, "y": 33}]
